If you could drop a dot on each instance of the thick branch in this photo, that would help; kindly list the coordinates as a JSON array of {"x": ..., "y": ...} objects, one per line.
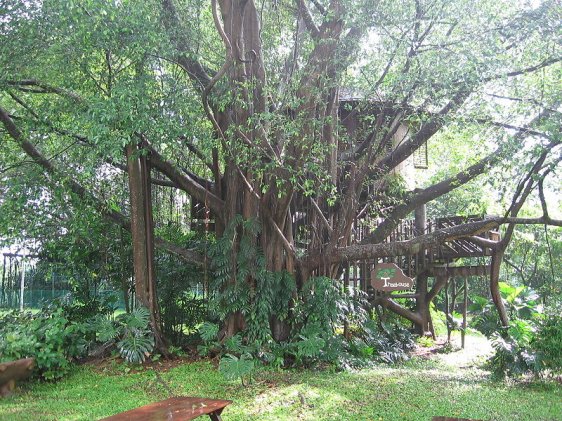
[
  {"x": 431, "y": 193},
  {"x": 308, "y": 20},
  {"x": 392, "y": 305},
  {"x": 81, "y": 192},
  {"x": 416, "y": 245},
  {"x": 185, "y": 182},
  {"x": 44, "y": 88},
  {"x": 193, "y": 68}
]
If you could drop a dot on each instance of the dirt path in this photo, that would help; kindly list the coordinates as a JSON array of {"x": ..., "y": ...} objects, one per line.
[{"x": 477, "y": 349}]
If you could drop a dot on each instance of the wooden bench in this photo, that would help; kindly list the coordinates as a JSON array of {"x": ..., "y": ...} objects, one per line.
[
  {"x": 174, "y": 409},
  {"x": 13, "y": 371}
]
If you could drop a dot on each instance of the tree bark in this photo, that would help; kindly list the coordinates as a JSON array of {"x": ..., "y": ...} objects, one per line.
[{"x": 142, "y": 229}]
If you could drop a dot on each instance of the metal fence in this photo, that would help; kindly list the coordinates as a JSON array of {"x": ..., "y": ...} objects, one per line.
[{"x": 38, "y": 298}]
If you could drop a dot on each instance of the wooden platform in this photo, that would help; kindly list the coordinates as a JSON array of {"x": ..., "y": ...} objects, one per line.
[{"x": 174, "y": 409}]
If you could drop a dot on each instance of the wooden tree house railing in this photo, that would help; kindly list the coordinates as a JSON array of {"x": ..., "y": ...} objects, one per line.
[{"x": 358, "y": 273}]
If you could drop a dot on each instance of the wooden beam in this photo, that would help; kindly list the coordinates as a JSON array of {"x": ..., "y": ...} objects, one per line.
[{"x": 460, "y": 271}]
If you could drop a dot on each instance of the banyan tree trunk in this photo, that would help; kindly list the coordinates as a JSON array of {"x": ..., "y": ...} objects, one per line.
[{"x": 142, "y": 229}]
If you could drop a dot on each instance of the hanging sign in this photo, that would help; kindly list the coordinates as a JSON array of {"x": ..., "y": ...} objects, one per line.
[{"x": 389, "y": 277}]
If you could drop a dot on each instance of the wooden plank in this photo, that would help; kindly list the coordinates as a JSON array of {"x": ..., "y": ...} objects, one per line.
[{"x": 174, "y": 409}]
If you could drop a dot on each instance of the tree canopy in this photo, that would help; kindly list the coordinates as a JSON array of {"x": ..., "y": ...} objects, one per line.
[{"x": 303, "y": 116}]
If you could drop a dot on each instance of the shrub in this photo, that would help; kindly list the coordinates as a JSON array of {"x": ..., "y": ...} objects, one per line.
[
  {"x": 48, "y": 336},
  {"x": 547, "y": 343},
  {"x": 510, "y": 359},
  {"x": 391, "y": 344},
  {"x": 55, "y": 341},
  {"x": 520, "y": 349}
]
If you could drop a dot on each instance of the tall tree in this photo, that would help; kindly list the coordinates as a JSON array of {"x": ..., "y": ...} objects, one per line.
[{"x": 299, "y": 114}]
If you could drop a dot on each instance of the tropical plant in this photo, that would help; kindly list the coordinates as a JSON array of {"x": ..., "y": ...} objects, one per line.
[
  {"x": 547, "y": 343},
  {"x": 130, "y": 332}
]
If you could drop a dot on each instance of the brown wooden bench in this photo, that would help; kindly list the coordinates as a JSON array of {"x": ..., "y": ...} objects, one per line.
[
  {"x": 174, "y": 409},
  {"x": 12, "y": 371}
]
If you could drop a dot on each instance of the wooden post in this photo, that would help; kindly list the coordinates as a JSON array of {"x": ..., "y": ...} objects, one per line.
[
  {"x": 447, "y": 310},
  {"x": 420, "y": 220},
  {"x": 465, "y": 296}
]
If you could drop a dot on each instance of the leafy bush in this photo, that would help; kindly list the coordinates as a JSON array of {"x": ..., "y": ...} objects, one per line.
[
  {"x": 525, "y": 349},
  {"x": 130, "y": 332},
  {"x": 520, "y": 302},
  {"x": 510, "y": 358},
  {"x": 391, "y": 344},
  {"x": 80, "y": 309},
  {"x": 55, "y": 341},
  {"x": 548, "y": 343},
  {"x": 48, "y": 336}
]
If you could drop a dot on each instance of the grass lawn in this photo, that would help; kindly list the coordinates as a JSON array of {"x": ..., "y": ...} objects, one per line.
[{"x": 447, "y": 384}]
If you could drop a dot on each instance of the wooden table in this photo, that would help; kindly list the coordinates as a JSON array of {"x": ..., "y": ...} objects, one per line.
[{"x": 176, "y": 409}]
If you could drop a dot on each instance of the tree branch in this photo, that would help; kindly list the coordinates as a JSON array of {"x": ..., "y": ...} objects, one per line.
[
  {"x": 416, "y": 245},
  {"x": 308, "y": 20},
  {"x": 45, "y": 88},
  {"x": 185, "y": 182},
  {"x": 81, "y": 192}
]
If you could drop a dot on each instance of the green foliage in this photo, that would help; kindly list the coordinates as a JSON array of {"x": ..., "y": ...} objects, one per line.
[
  {"x": 243, "y": 284},
  {"x": 135, "y": 346},
  {"x": 425, "y": 341},
  {"x": 83, "y": 307},
  {"x": 511, "y": 358},
  {"x": 520, "y": 302},
  {"x": 528, "y": 347},
  {"x": 391, "y": 343},
  {"x": 208, "y": 331},
  {"x": 48, "y": 336},
  {"x": 547, "y": 342},
  {"x": 209, "y": 334},
  {"x": 521, "y": 331},
  {"x": 531, "y": 261},
  {"x": 180, "y": 289},
  {"x": 234, "y": 367},
  {"x": 325, "y": 303},
  {"x": 56, "y": 341},
  {"x": 136, "y": 341}
]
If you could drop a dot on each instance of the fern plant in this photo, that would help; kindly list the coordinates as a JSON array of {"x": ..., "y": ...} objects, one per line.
[{"x": 243, "y": 284}]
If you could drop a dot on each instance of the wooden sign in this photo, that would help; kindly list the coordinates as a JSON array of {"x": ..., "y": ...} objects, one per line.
[{"x": 389, "y": 277}]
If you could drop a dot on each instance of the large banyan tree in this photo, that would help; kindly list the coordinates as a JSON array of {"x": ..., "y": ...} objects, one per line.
[{"x": 300, "y": 116}]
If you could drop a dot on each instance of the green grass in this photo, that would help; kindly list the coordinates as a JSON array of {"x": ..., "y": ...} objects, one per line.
[{"x": 416, "y": 391}]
